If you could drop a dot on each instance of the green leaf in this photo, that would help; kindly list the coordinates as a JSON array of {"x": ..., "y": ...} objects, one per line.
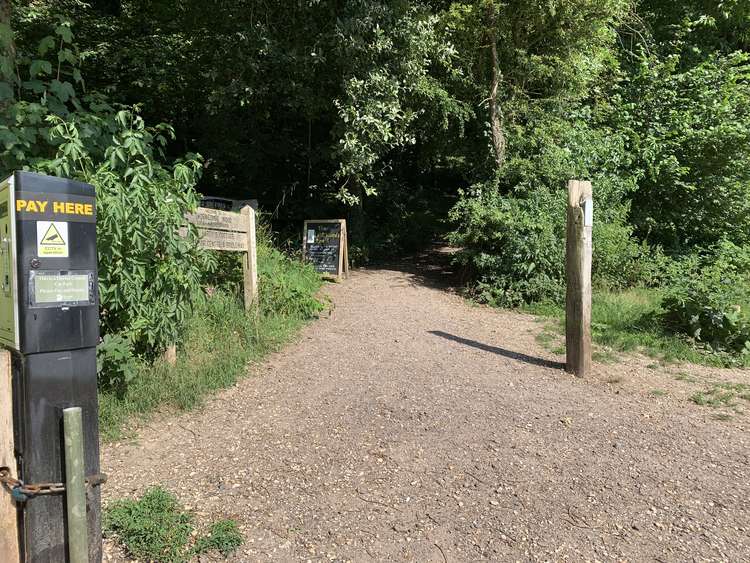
[
  {"x": 64, "y": 31},
  {"x": 40, "y": 66},
  {"x": 66, "y": 55},
  {"x": 63, "y": 90},
  {"x": 46, "y": 44}
]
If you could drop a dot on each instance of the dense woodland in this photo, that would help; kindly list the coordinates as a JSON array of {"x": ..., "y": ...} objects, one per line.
[{"x": 414, "y": 120}]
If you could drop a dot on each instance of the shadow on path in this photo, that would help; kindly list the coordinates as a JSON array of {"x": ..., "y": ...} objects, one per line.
[
  {"x": 431, "y": 267},
  {"x": 500, "y": 351}
]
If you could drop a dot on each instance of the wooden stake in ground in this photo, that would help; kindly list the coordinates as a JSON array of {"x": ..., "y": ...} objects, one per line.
[
  {"x": 75, "y": 486},
  {"x": 578, "y": 277},
  {"x": 250, "y": 263},
  {"x": 9, "y": 550}
]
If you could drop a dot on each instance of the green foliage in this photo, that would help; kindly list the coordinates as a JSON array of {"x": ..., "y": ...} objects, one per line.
[
  {"x": 153, "y": 527},
  {"x": 630, "y": 321},
  {"x": 389, "y": 51},
  {"x": 512, "y": 235},
  {"x": 722, "y": 394},
  {"x": 156, "y": 528},
  {"x": 147, "y": 270},
  {"x": 690, "y": 133},
  {"x": 512, "y": 245},
  {"x": 116, "y": 364},
  {"x": 286, "y": 289},
  {"x": 223, "y": 536},
  {"x": 708, "y": 298}
]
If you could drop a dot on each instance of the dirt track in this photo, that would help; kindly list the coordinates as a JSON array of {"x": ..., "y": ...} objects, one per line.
[{"x": 411, "y": 426}]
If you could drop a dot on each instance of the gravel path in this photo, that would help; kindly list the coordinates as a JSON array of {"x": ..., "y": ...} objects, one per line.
[{"x": 410, "y": 426}]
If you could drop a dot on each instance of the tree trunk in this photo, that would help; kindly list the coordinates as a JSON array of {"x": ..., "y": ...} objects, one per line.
[
  {"x": 5, "y": 11},
  {"x": 496, "y": 117},
  {"x": 7, "y": 44}
]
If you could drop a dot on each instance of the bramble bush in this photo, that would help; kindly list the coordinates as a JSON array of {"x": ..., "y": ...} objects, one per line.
[
  {"x": 512, "y": 231},
  {"x": 708, "y": 298}
]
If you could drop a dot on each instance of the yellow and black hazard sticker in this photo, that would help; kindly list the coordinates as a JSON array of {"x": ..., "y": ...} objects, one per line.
[{"x": 52, "y": 239}]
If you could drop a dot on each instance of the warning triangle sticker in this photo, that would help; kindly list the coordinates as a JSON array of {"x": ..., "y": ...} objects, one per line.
[{"x": 52, "y": 237}]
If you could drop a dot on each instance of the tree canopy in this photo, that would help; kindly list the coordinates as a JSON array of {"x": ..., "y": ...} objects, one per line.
[{"x": 418, "y": 117}]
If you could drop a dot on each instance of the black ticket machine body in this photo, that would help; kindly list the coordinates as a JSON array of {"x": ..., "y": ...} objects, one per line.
[{"x": 49, "y": 319}]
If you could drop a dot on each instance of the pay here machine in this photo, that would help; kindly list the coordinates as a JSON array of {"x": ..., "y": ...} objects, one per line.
[{"x": 49, "y": 319}]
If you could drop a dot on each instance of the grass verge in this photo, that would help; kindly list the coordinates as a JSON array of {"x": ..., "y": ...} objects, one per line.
[
  {"x": 721, "y": 395},
  {"x": 628, "y": 321},
  {"x": 156, "y": 528},
  {"x": 219, "y": 340}
]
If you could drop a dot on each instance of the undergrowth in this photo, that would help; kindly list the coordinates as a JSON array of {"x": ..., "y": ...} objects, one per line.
[
  {"x": 722, "y": 394},
  {"x": 156, "y": 528},
  {"x": 629, "y": 321},
  {"x": 219, "y": 340}
]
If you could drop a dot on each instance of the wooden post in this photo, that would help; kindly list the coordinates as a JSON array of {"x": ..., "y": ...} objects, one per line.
[
  {"x": 578, "y": 277},
  {"x": 250, "y": 264},
  {"x": 170, "y": 355},
  {"x": 75, "y": 486},
  {"x": 345, "y": 242},
  {"x": 9, "y": 548}
]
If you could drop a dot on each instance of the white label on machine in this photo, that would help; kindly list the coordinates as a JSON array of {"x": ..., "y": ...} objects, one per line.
[{"x": 52, "y": 239}]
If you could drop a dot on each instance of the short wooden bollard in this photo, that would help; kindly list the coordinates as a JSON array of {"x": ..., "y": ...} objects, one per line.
[
  {"x": 578, "y": 278},
  {"x": 75, "y": 486}
]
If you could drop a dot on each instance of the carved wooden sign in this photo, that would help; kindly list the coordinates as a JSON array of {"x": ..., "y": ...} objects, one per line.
[
  {"x": 234, "y": 232},
  {"x": 205, "y": 218}
]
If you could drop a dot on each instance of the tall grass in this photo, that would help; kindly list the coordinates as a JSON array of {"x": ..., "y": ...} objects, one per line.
[{"x": 219, "y": 341}]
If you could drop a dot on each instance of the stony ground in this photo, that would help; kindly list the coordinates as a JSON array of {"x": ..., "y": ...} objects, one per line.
[{"x": 411, "y": 426}]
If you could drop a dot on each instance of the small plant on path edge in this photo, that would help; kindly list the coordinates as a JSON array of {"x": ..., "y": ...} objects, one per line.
[{"x": 156, "y": 528}]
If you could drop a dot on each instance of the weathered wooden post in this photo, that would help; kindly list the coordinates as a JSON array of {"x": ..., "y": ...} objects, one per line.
[
  {"x": 9, "y": 545},
  {"x": 578, "y": 278},
  {"x": 75, "y": 486},
  {"x": 250, "y": 264}
]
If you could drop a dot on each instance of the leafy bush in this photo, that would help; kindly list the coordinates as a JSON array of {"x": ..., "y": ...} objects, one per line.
[
  {"x": 147, "y": 271},
  {"x": 511, "y": 246},
  {"x": 156, "y": 528},
  {"x": 708, "y": 298},
  {"x": 285, "y": 287},
  {"x": 512, "y": 231},
  {"x": 116, "y": 364},
  {"x": 223, "y": 536},
  {"x": 689, "y": 133}
]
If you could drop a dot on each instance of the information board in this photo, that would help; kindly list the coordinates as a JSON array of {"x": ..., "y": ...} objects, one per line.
[{"x": 325, "y": 246}]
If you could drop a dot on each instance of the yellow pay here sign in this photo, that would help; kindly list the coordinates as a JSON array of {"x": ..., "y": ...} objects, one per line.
[{"x": 52, "y": 239}]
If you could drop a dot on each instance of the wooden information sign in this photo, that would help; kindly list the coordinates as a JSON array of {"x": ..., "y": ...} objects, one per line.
[
  {"x": 325, "y": 246},
  {"x": 223, "y": 230}
]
